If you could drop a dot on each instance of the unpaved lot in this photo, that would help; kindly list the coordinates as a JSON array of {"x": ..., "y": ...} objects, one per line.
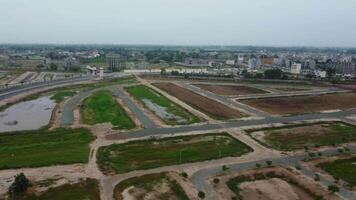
[
  {"x": 304, "y": 104},
  {"x": 211, "y": 107},
  {"x": 230, "y": 90}
]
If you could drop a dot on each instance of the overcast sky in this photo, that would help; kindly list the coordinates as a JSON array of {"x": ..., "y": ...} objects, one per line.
[{"x": 181, "y": 22}]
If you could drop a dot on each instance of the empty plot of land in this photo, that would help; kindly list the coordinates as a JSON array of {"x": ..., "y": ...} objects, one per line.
[
  {"x": 168, "y": 111},
  {"x": 344, "y": 169},
  {"x": 145, "y": 154},
  {"x": 44, "y": 148},
  {"x": 102, "y": 107},
  {"x": 206, "y": 105},
  {"x": 150, "y": 187},
  {"x": 87, "y": 189},
  {"x": 274, "y": 183},
  {"x": 230, "y": 90},
  {"x": 304, "y": 104},
  {"x": 305, "y": 135}
]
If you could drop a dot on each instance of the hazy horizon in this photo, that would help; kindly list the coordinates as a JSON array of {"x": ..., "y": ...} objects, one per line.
[{"x": 276, "y": 23}]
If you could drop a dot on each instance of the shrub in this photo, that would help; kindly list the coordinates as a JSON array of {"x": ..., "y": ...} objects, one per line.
[
  {"x": 216, "y": 180},
  {"x": 269, "y": 162},
  {"x": 317, "y": 177},
  {"x": 333, "y": 188},
  {"x": 258, "y": 165},
  {"x": 184, "y": 174},
  {"x": 224, "y": 168},
  {"x": 201, "y": 194},
  {"x": 20, "y": 185}
]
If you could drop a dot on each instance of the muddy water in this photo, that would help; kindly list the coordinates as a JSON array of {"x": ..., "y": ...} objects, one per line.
[
  {"x": 28, "y": 115},
  {"x": 162, "y": 111}
]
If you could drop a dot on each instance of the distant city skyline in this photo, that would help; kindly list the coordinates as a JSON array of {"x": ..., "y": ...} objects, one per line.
[{"x": 314, "y": 23}]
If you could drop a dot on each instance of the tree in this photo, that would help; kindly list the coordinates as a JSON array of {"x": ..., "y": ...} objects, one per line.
[
  {"x": 333, "y": 188},
  {"x": 40, "y": 66},
  {"x": 216, "y": 180},
  {"x": 269, "y": 162},
  {"x": 20, "y": 185},
  {"x": 201, "y": 194},
  {"x": 53, "y": 67},
  {"x": 273, "y": 74},
  {"x": 330, "y": 71}
]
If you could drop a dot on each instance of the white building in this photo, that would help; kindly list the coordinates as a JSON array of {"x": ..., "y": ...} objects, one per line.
[
  {"x": 230, "y": 62},
  {"x": 296, "y": 68}
]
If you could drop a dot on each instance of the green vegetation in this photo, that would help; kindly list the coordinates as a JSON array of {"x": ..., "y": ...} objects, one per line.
[
  {"x": 19, "y": 186},
  {"x": 145, "y": 154},
  {"x": 143, "y": 92},
  {"x": 44, "y": 148},
  {"x": 59, "y": 96},
  {"x": 85, "y": 190},
  {"x": 294, "y": 137},
  {"x": 344, "y": 169},
  {"x": 101, "y": 107},
  {"x": 148, "y": 183}
]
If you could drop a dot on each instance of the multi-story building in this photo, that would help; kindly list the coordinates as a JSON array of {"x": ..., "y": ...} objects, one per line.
[{"x": 114, "y": 62}]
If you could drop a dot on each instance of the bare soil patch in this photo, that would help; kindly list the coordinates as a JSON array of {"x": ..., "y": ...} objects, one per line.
[
  {"x": 304, "y": 104},
  {"x": 270, "y": 183},
  {"x": 211, "y": 107},
  {"x": 230, "y": 90}
]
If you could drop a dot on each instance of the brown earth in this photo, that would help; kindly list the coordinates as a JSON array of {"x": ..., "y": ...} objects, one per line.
[
  {"x": 304, "y": 104},
  {"x": 230, "y": 90},
  {"x": 211, "y": 107},
  {"x": 278, "y": 182},
  {"x": 271, "y": 189}
]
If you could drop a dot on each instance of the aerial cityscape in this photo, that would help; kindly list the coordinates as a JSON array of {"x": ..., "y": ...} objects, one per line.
[{"x": 142, "y": 112}]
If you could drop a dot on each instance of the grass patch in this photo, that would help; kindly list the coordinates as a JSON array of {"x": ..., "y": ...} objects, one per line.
[
  {"x": 59, "y": 96},
  {"x": 44, "y": 148},
  {"x": 87, "y": 190},
  {"x": 147, "y": 183},
  {"x": 101, "y": 107},
  {"x": 344, "y": 169},
  {"x": 146, "y": 154},
  {"x": 143, "y": 92},
  {"x": 294, "y": 137}
]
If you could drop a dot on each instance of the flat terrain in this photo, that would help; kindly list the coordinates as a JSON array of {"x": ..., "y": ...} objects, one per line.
[
  {"x": 85, "y": 190},
  {"x": 101, "y": 107},
  {"x": 230, "y": 90},
  {"x": 212, "y": 108},
  {"x": 344, "y": 169},
  {"x": 168, "y": 111},
  {"x": 304, "y": 104},
  {"x": 146, "y": 154},
  {"x": 150, "y": 187},
  {"x": 61, "y": 95},
  {"x": 296, "y": 137},
  {"x": 44, "y": 148}
]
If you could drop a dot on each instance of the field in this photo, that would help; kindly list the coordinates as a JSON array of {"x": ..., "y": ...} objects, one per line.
[
  {"x": 272, "y": 183},
  {"x": 87, "y": 190},
  {"x": 169, "y": 112},
  {"x": 344, "y": 169},
  {"x": 212, "y": 108},
  {"x": 101, "y": 107},
  {"x": 153, "y": 186},
  {"x": 304, "y": 104},
  {"x": 295, "y": 137},
  {"x": 230, "y": 90},
  {"x": 44, "y": 148},
  {"x": 61, "y": 95},
  {"x": 146, "y": 154}
]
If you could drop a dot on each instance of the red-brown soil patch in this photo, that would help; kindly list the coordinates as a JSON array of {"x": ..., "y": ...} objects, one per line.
[
  {"x": 304, "y": 104},
  {"x": 213, "y": 108},
  {"x": 230, "y": 90}
]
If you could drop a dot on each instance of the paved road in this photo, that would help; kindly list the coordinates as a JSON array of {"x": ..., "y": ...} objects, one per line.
[
  {"x": 199, "y": 179},
  {"x": 7, "y": 93},
  {"x": 232, "y": 124}
]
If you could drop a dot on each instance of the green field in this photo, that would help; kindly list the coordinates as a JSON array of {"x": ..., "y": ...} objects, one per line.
[
  {"x": 143, "y": 92},
  {"x": 44, "y": 148},
  {"x": 149, "y": 183},
  {"x": 61, "y": 95},
  {"x": 85, "y": 190},
  {"x": 146, "y": 154},
  {"x": 101, "y": 107},
  {"x": 344, "y": 169},
  {"x": 294, "y": 137}
]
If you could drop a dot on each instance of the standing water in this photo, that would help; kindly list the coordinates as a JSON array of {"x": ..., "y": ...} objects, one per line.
[{"x": 28, "y": 115}]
